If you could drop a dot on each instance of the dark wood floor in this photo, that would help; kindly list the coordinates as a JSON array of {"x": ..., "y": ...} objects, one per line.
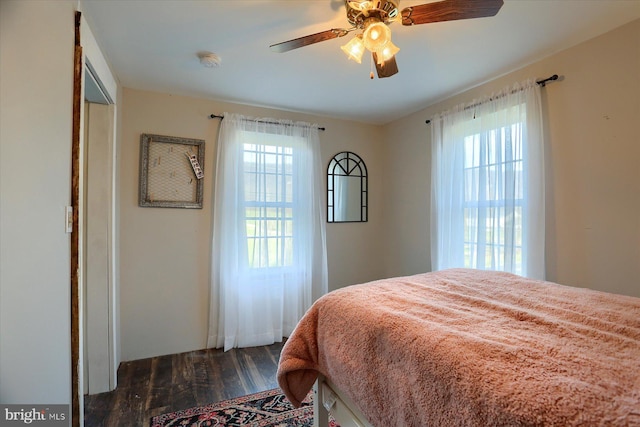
[{"x": 162, "y": 384}]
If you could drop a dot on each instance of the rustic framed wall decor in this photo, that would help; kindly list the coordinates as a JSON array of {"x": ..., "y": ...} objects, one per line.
[{"x": 171, "y": 172}]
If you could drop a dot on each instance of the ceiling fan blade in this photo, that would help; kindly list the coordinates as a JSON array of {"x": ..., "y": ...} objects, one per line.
[
  {"x": 307, "y": 40},
  {"x": 450, "y": 10},
  {"x": 387, "y": 69}
]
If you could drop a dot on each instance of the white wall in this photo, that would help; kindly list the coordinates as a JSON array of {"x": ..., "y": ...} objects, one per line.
[
  {"x": 165, "y": 253},
  {"x": 407, "y": 192},
  {"x": 592, "y": 172},
  {"x": 36, "y": 88}
]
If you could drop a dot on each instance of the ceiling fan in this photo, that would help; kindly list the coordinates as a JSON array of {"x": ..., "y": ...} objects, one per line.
[{"x": 373, "y": 19}]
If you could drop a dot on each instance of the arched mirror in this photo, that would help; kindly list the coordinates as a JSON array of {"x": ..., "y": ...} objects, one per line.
[{"x": 347, "y": 194}]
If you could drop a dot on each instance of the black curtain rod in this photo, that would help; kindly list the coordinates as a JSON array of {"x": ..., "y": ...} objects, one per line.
[
  {"x": 542, "y": 83},
  {"x": 215, "y": 116}
]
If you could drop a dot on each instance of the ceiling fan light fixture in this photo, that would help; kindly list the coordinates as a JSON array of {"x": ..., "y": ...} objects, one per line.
[
  {"x": 376, "y": 35},
  {"x": 387, "y": 52},
  {"x": 373, "y": 18},
  {"x": 354, "y": 49}
]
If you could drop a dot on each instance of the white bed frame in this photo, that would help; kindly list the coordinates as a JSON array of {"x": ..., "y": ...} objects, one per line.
[{"x": 328, "y": 399}]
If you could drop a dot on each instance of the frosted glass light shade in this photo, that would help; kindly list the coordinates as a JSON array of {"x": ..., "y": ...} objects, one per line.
[
  {"x": 354, "y": 49},
  {"x": 387, "y": 52},
  {"x": 376, "y": 35}
]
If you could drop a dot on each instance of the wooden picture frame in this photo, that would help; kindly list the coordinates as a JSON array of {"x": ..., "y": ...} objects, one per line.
[{"x": 171, "y": 170}]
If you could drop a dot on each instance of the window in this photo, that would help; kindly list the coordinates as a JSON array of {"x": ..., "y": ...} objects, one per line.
[
  {"x": 493, "y": 199},
  {"x": 269, "y": 207}
]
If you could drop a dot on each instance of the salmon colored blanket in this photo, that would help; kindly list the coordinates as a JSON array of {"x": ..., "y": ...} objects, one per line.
[{"x": 472, "y": 348}]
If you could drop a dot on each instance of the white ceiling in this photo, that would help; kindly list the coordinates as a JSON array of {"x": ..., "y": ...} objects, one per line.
[{"x": 153, "y": 45}]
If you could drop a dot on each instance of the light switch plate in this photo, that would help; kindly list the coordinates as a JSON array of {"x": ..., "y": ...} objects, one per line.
[{"x": 68, "y": 217}]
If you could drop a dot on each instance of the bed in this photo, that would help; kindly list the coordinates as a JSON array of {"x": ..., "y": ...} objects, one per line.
[{"x": 465, "y": 347}]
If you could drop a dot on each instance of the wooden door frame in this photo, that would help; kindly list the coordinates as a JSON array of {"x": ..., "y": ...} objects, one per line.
[{"x": 75, "y": 237}]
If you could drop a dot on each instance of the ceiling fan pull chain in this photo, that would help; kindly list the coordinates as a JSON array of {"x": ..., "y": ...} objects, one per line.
[{"x": 371, "y": 67}]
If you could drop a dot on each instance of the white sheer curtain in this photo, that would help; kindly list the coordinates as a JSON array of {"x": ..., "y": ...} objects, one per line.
[
  {"x": 487, "y": 191},
  {"x": 269, "y": 246}
]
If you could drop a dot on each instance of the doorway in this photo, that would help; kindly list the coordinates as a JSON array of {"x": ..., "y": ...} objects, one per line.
[
  {"x": 92, "y": 222},
  {"x": 98, "y": 237}
]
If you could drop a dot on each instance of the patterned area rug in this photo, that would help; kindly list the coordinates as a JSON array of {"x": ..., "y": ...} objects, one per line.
[{"x": 265, "y": 409}]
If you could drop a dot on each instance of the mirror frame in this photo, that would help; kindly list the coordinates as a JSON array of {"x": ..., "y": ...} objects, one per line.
[{"x": 347, "y": 163}]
